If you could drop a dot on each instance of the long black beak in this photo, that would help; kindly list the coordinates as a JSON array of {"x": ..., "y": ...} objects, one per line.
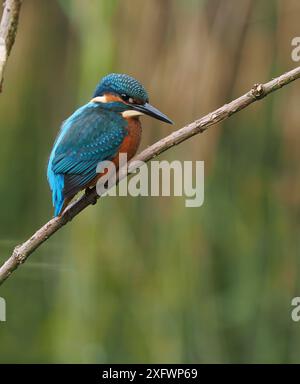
[{"x": 149, "y": 110}]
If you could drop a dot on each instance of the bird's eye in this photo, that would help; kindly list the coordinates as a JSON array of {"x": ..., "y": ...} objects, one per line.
[{"x": 127, "y": 98}]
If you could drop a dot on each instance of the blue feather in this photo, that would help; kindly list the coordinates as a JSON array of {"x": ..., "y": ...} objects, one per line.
[
  {"x": 119, "y": 83},
  {"x": 92, "y": 134}
]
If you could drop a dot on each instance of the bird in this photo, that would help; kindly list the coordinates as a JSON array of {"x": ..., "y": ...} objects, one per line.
[{"x": 100, "y": 130}]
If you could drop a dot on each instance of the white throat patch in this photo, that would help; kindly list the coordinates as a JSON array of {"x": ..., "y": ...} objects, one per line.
[
  {"x": 125, "y": 114},
  {"x": 131, "y": 113}
]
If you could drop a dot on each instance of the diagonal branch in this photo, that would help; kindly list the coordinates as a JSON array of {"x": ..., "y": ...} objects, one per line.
[
  {"x": 8, "y": 30},
  {"x": 259, "y": 91}
]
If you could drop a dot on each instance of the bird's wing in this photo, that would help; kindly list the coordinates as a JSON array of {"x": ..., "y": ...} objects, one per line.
[{"x": 90, "y": 135}]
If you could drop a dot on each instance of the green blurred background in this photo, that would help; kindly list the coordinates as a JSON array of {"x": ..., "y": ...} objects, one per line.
[{"x": 146, "y": 279}]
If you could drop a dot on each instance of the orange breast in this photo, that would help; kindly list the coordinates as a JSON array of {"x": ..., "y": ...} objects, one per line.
[
  {"x": 132, "y": 140},
  {"x": 130, "y": 145}
]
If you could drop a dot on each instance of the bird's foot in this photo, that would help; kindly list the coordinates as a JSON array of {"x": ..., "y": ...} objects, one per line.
[{"x": 88, "y": 191}]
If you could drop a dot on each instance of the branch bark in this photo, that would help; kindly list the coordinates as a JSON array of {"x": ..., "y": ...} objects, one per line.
[
  {"x": 258, "y": 91},
  {"x": 8, "y": 30}
]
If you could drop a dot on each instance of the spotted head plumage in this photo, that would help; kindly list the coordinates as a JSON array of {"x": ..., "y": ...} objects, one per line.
[
  {"x": 124, "y": 93},
  {"x": 124, "y": 86}
]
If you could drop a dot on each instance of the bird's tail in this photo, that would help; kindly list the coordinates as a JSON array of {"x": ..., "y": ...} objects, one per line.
[{"x": 56, "y": 182}]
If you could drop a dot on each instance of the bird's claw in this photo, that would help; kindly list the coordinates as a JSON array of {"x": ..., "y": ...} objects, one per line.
[{"x": 88, "y": 192}]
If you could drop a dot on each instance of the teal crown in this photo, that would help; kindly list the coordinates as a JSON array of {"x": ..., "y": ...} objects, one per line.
[{"x": 121, "y": 84}]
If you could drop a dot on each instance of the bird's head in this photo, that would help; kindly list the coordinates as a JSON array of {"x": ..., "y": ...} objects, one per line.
[{"x": 126, "y": 95}]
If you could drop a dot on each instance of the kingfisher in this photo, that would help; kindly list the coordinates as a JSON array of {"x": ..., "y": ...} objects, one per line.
[{"x": 99, "y": 130}]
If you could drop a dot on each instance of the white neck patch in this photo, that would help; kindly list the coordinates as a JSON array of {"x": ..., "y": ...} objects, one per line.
[
  {"x": 131, "y": 113},
  {"x": 125, "y": 114},
  {"x": 99, "y": 99}
]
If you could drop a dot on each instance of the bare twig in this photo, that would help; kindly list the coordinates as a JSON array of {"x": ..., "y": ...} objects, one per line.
[
  {"x": 22, "y": 251},
  {"x": 8, "y": 30}
]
